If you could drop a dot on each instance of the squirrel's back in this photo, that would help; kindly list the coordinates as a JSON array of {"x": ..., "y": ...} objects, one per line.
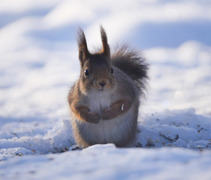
[{"x": 132, "y": 63}]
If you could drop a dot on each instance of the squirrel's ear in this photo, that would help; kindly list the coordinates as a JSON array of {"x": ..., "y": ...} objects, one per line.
[
  {"x": 106, "y": 49},
  {"x": 82, "y": 47}
]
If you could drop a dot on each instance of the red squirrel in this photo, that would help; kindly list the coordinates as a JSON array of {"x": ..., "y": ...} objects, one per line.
[{"x": 104, "y": 101}]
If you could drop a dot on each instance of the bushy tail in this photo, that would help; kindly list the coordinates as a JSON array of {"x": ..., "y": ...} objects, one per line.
[{"x": 133, "y": 64}]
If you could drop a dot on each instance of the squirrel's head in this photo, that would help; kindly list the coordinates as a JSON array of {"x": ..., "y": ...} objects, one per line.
[{"x": 96, "y": 69}]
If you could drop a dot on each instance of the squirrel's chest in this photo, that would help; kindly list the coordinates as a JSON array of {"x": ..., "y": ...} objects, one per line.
[{"x": 97, "y": 102}]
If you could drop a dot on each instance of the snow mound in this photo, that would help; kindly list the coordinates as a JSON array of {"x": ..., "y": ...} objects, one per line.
[
  {"x": 179, "y": 128},
  {"x": 57, "y": 139}
]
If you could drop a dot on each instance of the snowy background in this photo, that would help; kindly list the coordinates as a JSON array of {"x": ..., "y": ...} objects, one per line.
[{"x": 38, "y": 64}]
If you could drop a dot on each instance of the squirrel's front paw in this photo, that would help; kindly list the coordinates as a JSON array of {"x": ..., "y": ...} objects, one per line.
[
  {"x": 92, "y": 117},
  {"x": 84, "y": 114},
  {"x": 107, "y": 114},
  {"x": 116, "y": 109}
]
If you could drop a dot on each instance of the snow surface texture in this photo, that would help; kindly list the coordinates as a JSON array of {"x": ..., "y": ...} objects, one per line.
[
  {"x": 107, "y": 162},
  {"x": 39, "y": 63}
]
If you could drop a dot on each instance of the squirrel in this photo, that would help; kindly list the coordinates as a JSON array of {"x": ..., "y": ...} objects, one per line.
[{"x": 104, "y": 101}]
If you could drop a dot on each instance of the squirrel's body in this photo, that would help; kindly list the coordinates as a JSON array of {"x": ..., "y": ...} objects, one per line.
[
  {"x": 104, "y": 102},
  {"x": 119, "y": 130}
]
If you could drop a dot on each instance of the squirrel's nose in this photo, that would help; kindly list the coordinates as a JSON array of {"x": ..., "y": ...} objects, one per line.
[{"x": 102, "y": 83}]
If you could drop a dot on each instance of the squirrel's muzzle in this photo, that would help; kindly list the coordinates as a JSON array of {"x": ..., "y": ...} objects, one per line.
[{"x": 102, "y": 83}]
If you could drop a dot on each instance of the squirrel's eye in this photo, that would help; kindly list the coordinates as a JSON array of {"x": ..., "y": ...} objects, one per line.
[
  {"x": 86, "y": 72},
  {"x": 112, "y": 71}
]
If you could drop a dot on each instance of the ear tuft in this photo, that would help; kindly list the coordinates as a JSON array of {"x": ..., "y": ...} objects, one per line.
[
  {"x": 106, "y": 49},
  {"x": 82, "y": 47}
]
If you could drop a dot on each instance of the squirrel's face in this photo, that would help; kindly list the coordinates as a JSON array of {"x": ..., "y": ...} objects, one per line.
[
  {"x": 97, "y": 74},
  {"x": 96, "y": 70}
]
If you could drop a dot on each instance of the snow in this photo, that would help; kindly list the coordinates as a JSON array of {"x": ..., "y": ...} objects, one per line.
[
  {"x": 169, "y": 145},
  {"x": 39, "y": 63},
  {"x": 108, "y": 162}
]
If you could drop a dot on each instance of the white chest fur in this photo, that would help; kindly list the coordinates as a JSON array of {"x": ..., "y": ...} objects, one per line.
[{"x": 99, "y": 101}]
